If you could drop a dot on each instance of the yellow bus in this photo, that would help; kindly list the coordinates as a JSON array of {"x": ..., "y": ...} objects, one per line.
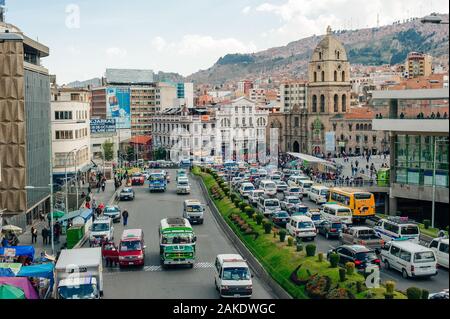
[{"x": 361, "y": 203}]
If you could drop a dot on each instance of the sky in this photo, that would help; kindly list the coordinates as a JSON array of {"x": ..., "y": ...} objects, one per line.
[{"x": 87, "y": 36}]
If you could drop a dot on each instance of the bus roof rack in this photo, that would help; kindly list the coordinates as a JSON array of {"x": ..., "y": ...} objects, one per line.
[
  {"x": 176, "y": 221},
  {"x": 401, "y": 220}
]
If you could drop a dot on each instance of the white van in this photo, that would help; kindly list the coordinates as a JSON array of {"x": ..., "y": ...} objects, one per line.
[
  {"x": 255, "y": 195},
  {"x": 294, "y": 180},
  {"x": 269, "y": 187},
  {"x": 301, "y": 227},
  {"x": 246, "y": 189},
  {"x": 268, "y": 205},
  {"x": 319, "y": 194},
  {"x": 395, "y": 228},
  {"x": 305, "y": 186},
  {"x": 337, "y": 212},
  {"x": 232, "y": 277},
  {"x": 411, "y": 259},
  {"x": 440, "y": 248},
  {"x": 183, "y": 185}
]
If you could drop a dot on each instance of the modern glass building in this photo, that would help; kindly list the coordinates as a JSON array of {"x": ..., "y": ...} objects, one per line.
[{"x": 419, "y": 145}]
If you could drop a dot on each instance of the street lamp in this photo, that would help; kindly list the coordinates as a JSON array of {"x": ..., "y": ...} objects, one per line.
[
  {"x": 50, "y": 186},
  {"x": 433, "y": 208},
  {"x": 433, "y": 19}
]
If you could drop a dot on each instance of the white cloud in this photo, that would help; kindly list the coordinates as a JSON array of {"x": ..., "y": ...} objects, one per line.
[
  {"x": 246, "y": 10},
  {"x": 115, "y": 52},
  {"x": 200, "y": 50},
  {"x": 303, "y": 18},
  {"x": 159, "y": 43}
]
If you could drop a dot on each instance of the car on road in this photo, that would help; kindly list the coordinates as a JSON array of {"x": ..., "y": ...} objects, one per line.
[
  {"x": 233, "y": 278},
  {"x": 289, "y": 203},
  {"x": 315, "y": 215},
  {"x": 281, "y": 186},
  {"x": 137, "y": 179},
  {"x": 113, "y": 212},
  {"x": 361, "y": 256},
  {"x": 330, "y": 229},
  {"x": 246, "y": 189},
  {"x": 269, "y": 187},
  {"x": 280, "y": 218},
  {"x": 193, "y": 211},
  {"x": 299, "y": 210},
  {"x": 132, "y": 248},
  {"x": 102, "y": 229},
  {"x": 255, "y": 195},
  {"x": 127, "y": 194},
  {"x": 395, "y": 228},
  {"x": 294, "y": 180},
  {"x": 293, "y": 191},
  {"x": 268, "y": 205},
  {"x": 319, "y": 194},
  {"x": 440, "y": 248},
  {"x": 409, "y": 258},
  {"x": 337, "y": 212},
  {"x": 183, "y": 186},
  {"x": 362, "y": 235},
  {"x": 305, "y": 186},
  {"x": 301, "y": 227}
]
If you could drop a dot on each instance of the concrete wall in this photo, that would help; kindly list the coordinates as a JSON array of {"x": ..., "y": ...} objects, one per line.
[{"x": 424, "y": 193}]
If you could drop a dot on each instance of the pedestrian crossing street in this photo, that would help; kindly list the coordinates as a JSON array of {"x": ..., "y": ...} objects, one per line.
[{"x": 158, "y": 268}]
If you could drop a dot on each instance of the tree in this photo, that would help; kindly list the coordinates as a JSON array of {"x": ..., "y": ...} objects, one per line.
[
  {"x": 130, "y": 154},
  {"x": 108, "y": 149}
]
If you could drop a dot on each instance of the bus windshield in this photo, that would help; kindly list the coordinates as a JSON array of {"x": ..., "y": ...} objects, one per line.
[{"x": 179, "y": 238}]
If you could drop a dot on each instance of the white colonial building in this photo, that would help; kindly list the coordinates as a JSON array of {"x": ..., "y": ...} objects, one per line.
[
  {"x": 241, "y": 128},
  {"x": 70, "y": 131}
]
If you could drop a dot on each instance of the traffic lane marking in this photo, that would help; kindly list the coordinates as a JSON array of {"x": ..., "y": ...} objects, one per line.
[{"x": 157, "y": 268}]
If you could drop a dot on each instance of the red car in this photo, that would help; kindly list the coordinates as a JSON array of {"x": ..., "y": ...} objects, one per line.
[
  {"x": 132, "y": 248},
  {"x": 137, "y": 179}
]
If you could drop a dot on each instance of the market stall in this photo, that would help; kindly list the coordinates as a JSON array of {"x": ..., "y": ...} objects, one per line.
[{"x": 21, "y": 283}]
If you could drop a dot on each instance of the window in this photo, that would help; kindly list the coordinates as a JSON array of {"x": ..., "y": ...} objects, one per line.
[
  {"x": 335, "y": 76},
  {"x": 314, "y": 104},
  {"x": 434, "y": 244},
  {"x": 336, "y": 103},
  {"x": 374, "y": 139},
  {"x": 320, "y": 55},
  {"x": 443, "y": 248},
  {"x": 343, "y": 76},
  {"x": 322, "y": 103},
  {"x": 344, "y": 103},
  {"x": 296, "y": 122},
  {"x": 395, "y": 251},
  {"x": 315, "y": 76},
  {"x": 350, "y": 127},
  {"x": 323, "y": 76}
]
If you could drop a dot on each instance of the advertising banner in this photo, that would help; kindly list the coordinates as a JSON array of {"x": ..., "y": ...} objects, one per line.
[
  {"x": 103, "y": 126},
  {"x": 330, "y": 141},
  {"x": 118, "y": 107}
]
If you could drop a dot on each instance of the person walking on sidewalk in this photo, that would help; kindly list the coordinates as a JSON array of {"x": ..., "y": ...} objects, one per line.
[
  {"x": 125, "y": 216},
  {"x": 34, "y": 235},
  {"x": 44, "y": 234}
]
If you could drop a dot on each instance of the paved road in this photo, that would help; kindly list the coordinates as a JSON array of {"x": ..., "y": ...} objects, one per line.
[
  {"x": 434, "y": 284},
  {"x": 154, "y": 283}
]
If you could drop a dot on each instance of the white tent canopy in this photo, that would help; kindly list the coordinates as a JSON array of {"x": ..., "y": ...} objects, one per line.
[{"x": 312, "y": 159}]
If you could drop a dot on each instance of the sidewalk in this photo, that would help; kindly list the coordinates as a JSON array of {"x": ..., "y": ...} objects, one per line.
[{"x": 25, "y": 239}]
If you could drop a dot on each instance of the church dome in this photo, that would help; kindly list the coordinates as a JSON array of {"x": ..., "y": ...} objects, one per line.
[{"x": 329, "y": 49}]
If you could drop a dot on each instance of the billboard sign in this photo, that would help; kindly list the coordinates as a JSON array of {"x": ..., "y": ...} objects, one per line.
[
  {"x": 118, "y": 106},
  {"x": 103, "y": 126},
  {"x": 330, "y": 141}
]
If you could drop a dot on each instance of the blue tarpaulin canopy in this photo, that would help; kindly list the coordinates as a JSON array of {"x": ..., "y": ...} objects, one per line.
[
  {"x": 6, "y": 272},
  {"x": 21, "y": 251},
  {"x": 38, "y": 271}
]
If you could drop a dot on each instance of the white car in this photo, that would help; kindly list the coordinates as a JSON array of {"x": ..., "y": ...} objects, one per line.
[
  {"x": 440, "y": 248},
  {"x": 102, "y": 229},
  {"x": 183, "y": 186},
  {"x": 246, "y": 189},
  {"x": 255, "y": 195},
  {"x": 301, "y": 227},
  {"x": 233, "y": 278}
]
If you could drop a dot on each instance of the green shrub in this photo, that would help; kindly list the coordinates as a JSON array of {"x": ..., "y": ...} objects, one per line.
[
  {"x": 233, "y": 196},
  {"x": 318, "y": 287},
  {"x": 254, "y": 216},
  {"x": 242, "y": 205},
  {"x": 390, "y": 287},
  {"x": 236, "y": 202},
  {"x": 290, "y": 241},
  {"x": 342, "y": 273},
  {"x": 425, "y": 294},
  {"x": 259, "y": 219},
  {"x": 282, "y": 235},
  {"x": 310, "y": 250},
  {"x": 299, "y": 245},
  {"x": 320, "y": 255},
  {"x": 223, "y": 185},
  {"x": 226, "y": 190},
  {"x": 359, "y": 287},
  {"x": 350, "y": 267},
  {"x": 414, "y": 293},
  {"x": 426, "y": 223},
  {"x": 267, "y": 228},
  {"x": 340, "y": 294},
  {"x": 334, "y": 260}
]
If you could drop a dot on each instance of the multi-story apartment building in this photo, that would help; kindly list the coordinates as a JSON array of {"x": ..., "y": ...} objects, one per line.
[
  {"x": 418, "y": 64},
  {"x": 241, "y": 128},
  {"x": 143, "y": 106},
  {"x": 293, "y": 93},
  {"x": 244, "y": 87},
  {"x": 257, "y": 96},
  {"x": 98, "y": 103},
  {"x": 70, "y": 116},
  {"x": 184, "y": 132},
  {"x": 25, "y": 127}
]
